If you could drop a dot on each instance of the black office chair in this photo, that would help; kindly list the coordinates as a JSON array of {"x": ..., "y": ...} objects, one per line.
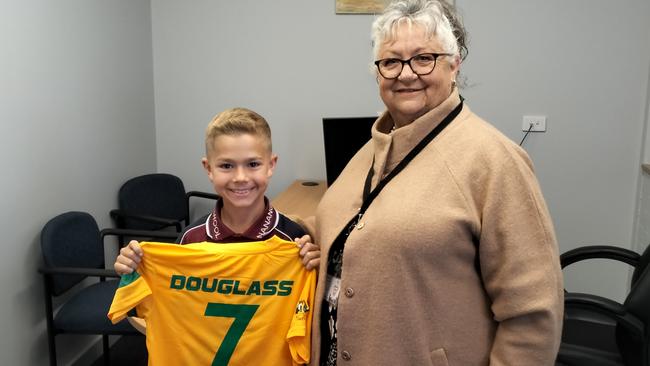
[
  {"x": 73, "y": 249},
  {"x": 155, "y": 202},
  {"x": 601, "y": 332}
]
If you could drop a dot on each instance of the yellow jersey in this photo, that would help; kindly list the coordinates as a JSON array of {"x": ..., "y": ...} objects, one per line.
[{"x": 221, "y": 304}]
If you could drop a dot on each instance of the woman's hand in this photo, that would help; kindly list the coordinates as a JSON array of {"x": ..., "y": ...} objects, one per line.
[
  {"x": 309, "y": 252},
  {"x": 129, "y": 258}
]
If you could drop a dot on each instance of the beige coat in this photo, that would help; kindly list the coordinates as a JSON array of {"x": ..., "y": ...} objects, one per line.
[{"x": 412, "y": 292}]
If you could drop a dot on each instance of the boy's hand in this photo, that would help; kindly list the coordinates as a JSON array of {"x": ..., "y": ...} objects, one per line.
[
  {"x": 309, "y": 252},
  {"x": 129, "y": 258}
]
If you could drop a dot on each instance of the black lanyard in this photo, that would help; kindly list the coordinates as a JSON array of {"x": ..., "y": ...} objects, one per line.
[{"x": 369, "y": 196}]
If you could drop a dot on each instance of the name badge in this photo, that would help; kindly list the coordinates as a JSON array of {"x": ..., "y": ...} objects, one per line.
[{"x": 333, "y": 289}]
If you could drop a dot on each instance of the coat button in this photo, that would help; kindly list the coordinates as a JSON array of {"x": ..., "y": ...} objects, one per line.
[
  {"x": 349, "y": 292},
  {"x": 346, "y": 355}
]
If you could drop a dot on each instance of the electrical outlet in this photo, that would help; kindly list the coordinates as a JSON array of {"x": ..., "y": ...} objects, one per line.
[{"x": 538, "y": 122}]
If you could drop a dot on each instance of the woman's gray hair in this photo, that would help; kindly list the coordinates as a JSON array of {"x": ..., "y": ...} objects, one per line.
[{"x": 438, "y": 18}]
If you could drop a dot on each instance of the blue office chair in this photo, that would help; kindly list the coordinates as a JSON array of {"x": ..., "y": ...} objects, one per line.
[
  {"x": 73, "y": 249},
  {"x": 155, "y": 202}
]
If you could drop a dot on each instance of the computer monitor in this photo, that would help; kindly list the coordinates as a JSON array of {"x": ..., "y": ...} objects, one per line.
[{"x": 343, "y": 137}]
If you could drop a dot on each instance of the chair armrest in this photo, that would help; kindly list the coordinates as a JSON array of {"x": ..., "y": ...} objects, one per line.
[
  {"x": 593, "y": 302},
  {"x": 606, "y": 307},
  {"x": 95, "y": 272},
  {"x": 145, "y": 234},
  {"x": 139, "y": 233},
  {"x": 121, "y": 214},
  {"x": 201, "y": 195},
  {"x": 599, "y": 251}
]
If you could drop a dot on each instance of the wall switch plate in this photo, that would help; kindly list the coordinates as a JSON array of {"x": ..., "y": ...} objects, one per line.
[{"x": 538, "y": 122}]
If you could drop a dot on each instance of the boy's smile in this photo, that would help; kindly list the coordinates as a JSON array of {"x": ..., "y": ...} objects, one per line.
[{"x": 240, "y": 194}]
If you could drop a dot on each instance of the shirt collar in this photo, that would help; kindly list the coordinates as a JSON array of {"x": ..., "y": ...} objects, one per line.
[
  {"x": 261, "y": 228},
  {"x": 392, "y": 146}
]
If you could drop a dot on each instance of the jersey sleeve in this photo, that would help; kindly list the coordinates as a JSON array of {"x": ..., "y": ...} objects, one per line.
[
  {"x": 133, "y": 289},
  {"x": 299, "y": 334}
]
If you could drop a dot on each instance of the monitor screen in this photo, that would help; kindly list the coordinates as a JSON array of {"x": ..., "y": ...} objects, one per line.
[{"x": 343, "y": 137}]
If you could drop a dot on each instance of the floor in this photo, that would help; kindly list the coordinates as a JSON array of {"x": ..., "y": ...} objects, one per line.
[{"x": 128, "y": 350}]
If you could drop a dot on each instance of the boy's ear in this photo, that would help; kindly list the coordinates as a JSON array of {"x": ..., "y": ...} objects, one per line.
[
  {"x": 206, "y": 165},
  {"x": 272, "y": 163}
]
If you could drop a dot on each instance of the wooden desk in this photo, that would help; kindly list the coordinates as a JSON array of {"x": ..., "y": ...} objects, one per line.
[
  {"x": 138, "y": 323},
  {"x": 301, "y": 198}
]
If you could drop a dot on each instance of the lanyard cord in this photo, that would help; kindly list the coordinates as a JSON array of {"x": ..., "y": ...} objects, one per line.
[{"x": 369, "y": 196}]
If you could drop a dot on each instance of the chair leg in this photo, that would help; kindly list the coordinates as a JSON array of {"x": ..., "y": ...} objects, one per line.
[
  {"x": 52, "y": 347},
  {"x": 49, "y": 319},
  {"x": 107, "y": 358}
]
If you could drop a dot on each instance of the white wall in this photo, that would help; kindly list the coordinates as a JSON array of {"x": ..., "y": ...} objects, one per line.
[
  {"x": 292, "y": 61},
  {"x": 642, "y": 224},
  {"x": 77, "y": 118},
  {"x": 642, "y": 231},
  {"x": 583, "y": 64}
]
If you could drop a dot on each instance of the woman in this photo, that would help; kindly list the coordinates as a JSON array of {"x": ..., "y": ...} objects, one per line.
[{"x": 439, "y": 247}]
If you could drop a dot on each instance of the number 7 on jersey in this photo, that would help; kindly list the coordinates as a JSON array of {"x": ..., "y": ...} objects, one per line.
[{"x": 243, "y": 314}]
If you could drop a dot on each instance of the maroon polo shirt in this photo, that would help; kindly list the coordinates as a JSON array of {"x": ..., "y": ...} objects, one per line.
[{"x": 212, "y": 229}]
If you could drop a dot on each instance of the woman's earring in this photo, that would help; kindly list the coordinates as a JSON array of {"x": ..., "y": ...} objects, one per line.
[{"x": 453, "y": 85}]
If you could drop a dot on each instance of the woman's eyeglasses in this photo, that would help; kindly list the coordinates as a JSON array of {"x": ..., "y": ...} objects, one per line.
[{"x": 422, "y": 64}]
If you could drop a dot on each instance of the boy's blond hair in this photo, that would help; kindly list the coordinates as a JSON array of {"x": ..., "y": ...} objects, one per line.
[{"x": 237, "y": 121}]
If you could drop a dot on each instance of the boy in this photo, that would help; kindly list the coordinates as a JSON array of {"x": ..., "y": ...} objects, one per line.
[{"x": 239, "y": 162}]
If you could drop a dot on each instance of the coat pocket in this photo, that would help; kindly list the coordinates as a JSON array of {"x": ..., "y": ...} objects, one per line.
[{"x": 439, "y": 357}]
